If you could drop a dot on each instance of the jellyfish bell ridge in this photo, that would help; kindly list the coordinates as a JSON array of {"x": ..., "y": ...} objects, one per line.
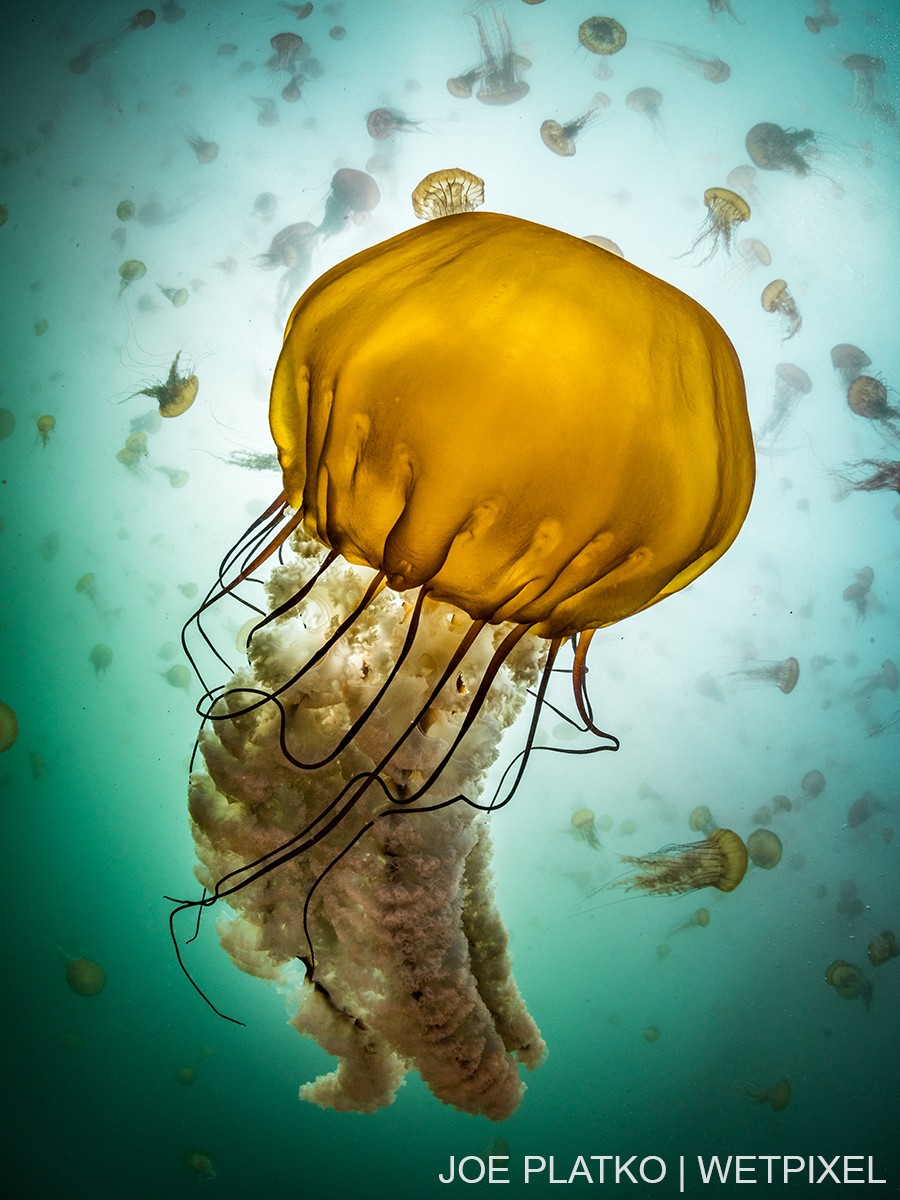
[{"x": 384, "y": 457}]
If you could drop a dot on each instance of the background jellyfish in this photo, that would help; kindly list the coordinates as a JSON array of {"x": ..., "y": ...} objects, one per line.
[
  {"x": 647, "y": 101},
  {"x": 720, "y": 862},
  {"x": 859, "y": 593},
  {"x": 354, "y": 717},
  {"x": 791, "y": 384},
  {"x": 352, "y": 195},
  {"x": 83, "y": 61},
  {"x": 602, "y": 35},
  {"x": 85, "y": 977},
  {"x": 383, "y": 123},
  {"x": 9, "y": 726},
  {"x": 765, "y": 849},
  {"x": 176, "y": 395},
  {"x": 883, "y": 948},
  {"x": 560, "y": 138},
  {"x": 784, "y": 674},
  {"x": 865, "y": 69},
  {"x": 776, "y": 298},
  {"x": 777, "y": 1096},
  {"x": 585, "y": 826},
  {"x": 499, "y": 77},
  {"x": 849, "y": 981},
  {"x": 726, "y": 210},
  {"x": 45, "y": 426},
  {"x": 824, "y": 18},
  {"x": 707, "y": 66},
  {"x": 868, "y": 397},
  {"x": 849, "y": 362},
  {"x": 772, "y": 148}
]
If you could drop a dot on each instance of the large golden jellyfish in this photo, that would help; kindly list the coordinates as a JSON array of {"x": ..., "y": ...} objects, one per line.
[
  {"x": 462, "y": 496},
  {"x": 720, "y": 862}
]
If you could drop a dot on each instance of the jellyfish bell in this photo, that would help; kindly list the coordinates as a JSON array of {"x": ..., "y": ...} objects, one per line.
[
  {"x": 772, "y": 148},
  {"x": 447, "y": 192},
  {"x": 602, "y": 35},
  {"x": 288, "y": 49},
  {"x": 791, "y": 384},
  {"x": 462, "y": 86},
  {"x": 205, "y": 151},
  {"x": 353, "y": 194},
  {"x": 84, "y": 977},
  {"x": 849, "y": 361},
  {"x": 883, "y": 948},
  {"x": 177, "y": 394},
  {"x": 868, "y": 397},
  {"x": 383, "y": 123},
  {"x": 560, "y": 138},
  {"x": 101, "y": 657},
  {"x": 701, "y": 820},
  {"x": 500, "y": 80},
  {"x": 764, "y": 848},
  {"x": 45, "y": 426},
  {"x": 849, "y": 981},
  {"x": 647, "y": 101},
  {"x": 584, "y": 825},
  {"x": 865, "y": 69},
  {"x": 447, "y": 581},
  {"x": 9, "y": 726},
  {"x": 777, "y": 1097}
]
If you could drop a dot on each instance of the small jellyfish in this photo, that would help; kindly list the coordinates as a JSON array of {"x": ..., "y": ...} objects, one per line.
[
  {"x": 300, "y": 11},
  {"x": 849, "y": 981},
  {"x": 719, "y": 6},
  {"x": 126, "y": 210},
  {"x": 701, "y": 820},
  {"x": 500, "y": 81},
  {"x": 205, "y": 150},
  {"x": 444, "y": 193},
  {"x": 264, "y": 205},
  {"x": 883, "y": 948},
  {"x": 865, "y": 69},
  {"x": 812, "y": 784},
  {"x": 198, "y": 1163},
  {"x": 129, "y": 272},
  {"x": 652, "y": 1033},
  {"x": 849, "y": 362},
  {"x": 868, "y": 397},
  {"x": 7, "y": 423},
  {"x": 45, "y": 426},
  {"x": 781, "y": 804},
  {"x": 337, "y": 33},
  {"x": 176, "y": 395},
  {"x": 777, "y": 1097},
  {"x": 764, "y": 848},
  {"x": 134, "y": 450},
  {"x": 772, "y": 148},
  {"x": 791, "y": 384},
  {"x": 288, "y": 51},
  {"x": 726, "y": 210},
  {"x": 560, "y": 138},
  {"x": 101, "y": 657},
  {"x": 86, "y": 585},
  {"x": 186, "y": 1076},
  {"x": 776, "y": 298},
  {"x": 172, "y": 12},
  {"x": 824, "y": 20},
  {"x": 784, "y": 673},
  {"x": 709, "y": 67},
  {"x": 859, "y": 593},
  {"x": 85, "y": 58},
  {"x": 177, "y": 477},
  {"x": 742, "y": 178},
  {"x": 698, "y": 919},
  {"x": 862, "y": 808},
  {"x": 646, "y": 101},
  {"x": 9, "y": 726},
  {"x": 753, "y": 253},
  {"x": 353, "y": 194},
  {"x": 267, "y": 116},
  {"x": 461, "y": 86},
  {"x": 177, "y": 297},
  {"x": 84, "y": 977},
  {"x": 602, "y": 35},
  {"x": 178, "y": 676},
  {"x": 383, "y": 123},
  {"x": 585, "y": 827},
  {"x": 720, "y": 862},
  {"x": 887, "y": 677}
]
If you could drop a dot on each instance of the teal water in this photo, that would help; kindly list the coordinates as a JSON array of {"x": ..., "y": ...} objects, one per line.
[{"x": 93, "y": 804}]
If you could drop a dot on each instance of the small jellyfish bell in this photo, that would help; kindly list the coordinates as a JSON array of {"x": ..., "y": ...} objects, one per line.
[
  {"x": 288, "y": 50},
  {"x": 560, "y": 138},
  {"x": 812, "y": 784},
  {"x": 205, "y": 151},
  {"x": 784, "y": 674},
  {"x": 383, "y": 123},
  {"x": 177, "y": 394},
  {"x": 777, "y": 1097},
  {"x": 714, "y": 70},
  {"x": 101, "y": 657},
  {"x": 772, "y": 148},
  {"x": 825, "y": 18},
  {"x": 720, "y": 862},
  {"x": 752, "y": 254},
  {"x": 862, "y": 808},
  {"x": 883, "y": 948},
  {"x": 353, "y": 195},
  {"x": 129, "y": 272},
  {"x": 447, "y": 192},
  {"x": 701, "y": 820},
  {"x": 602, "y": 35},
  {"x": 698, "y": 919},
  {"x": 647, "y": 101},
  {"x": 726, "y": 210},
  {"x": 585, "y": 827},
  {"x": 45, "y": 426},
  {"x": 462, "y": 86},
  {"x": 849, "y": 362},
  {"x": 867, "y": 397},
  {"x": 84, "y": 977},
  {"x": 776, "y": 298},
  {"x": 849, "y": 981},
  {"x": 177, "y": 297},
  {"x": 764, "y": 848}
]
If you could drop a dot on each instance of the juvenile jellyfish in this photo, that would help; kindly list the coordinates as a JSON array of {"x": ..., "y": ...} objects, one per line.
[
  {"x": 859, "y": 594},
  {"x": 204, "y": 150},
  {"x": 134, "y": 450},
  {"x": 698, "y": 919},
  {"x": 126, "y": 210},
  {"x": 176, "y": 395},
  {"x": 447, "y": 192},
  {"x": 862, "y": 808},
  {"x": 849, "y": 981},
  {"x": 500, "y": 80},
  {"x": 772, "y": 148},
  {"x": 199, "y": 1163},
  {"x": 462, "y": 86},
  {"x": 783, "y": 673},
  {"x": 186, "y": 1076},
  {"x": 867, "y": 397},
  {"x": 849, "y": 362},
  {"x": 353, "y": 194},
  {"x": 742, "y": 178},
  {"x": 300, "y": 11},
  {"x": 84, "y": 977},
  {"x": 865, "y": 69},
  {"x": 764, "y": 848},
  {"x": 701, "y": 820},
  {"x": 777, "y": 1097},
  {"x": 725, "y": 211},
  {"x": 9, "y": 726},
  {"x": 267, "y": 116},
  {"x": 791, "y": 384},
  {"x": 812, "y": 784},
  {"x": 178, "y": 676},
  {"x": 264, "y": 205},
  {"x": 883, "y": 948},
  {"x": 177, "y": 297},
  {"x": 646, "y": 101},
  {"x": 383, "y": 123},
  {"x": 291, "y": 247},
  {"x": 172, "y": 12},
  {"x": 722, "y": 6},
  {"x": 560, "y": 138},
  {"x": 652, "y": 1033},
  {"x": 288, "y": 51},
  {"x": 887, "y": 677},
  {"x": 129, "y": 272},
  {"x": 825, "y": 18},
  {"x": 45, "y": 426},
  {"x": 720, "y": 862},
  {"x": 85, "y": 58},
  {"x": 585, "y": 826},
  {"x": 708, "y": 66},
  {"x": 602, "y": 35},
  {"x": 776, "y": 298},
  {"x": 101, "y": 657}
]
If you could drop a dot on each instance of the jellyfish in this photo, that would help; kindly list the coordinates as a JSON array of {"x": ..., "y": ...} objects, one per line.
[
  {"x": 204, "y": 150},
  {"x": 777, "y": 1097},
  {"x": 784, "y": 673},
  {"x": 791, "y": 384},
  {"x": 45, "y": 426},
  {"x": 772, "y": 148},
  {"x": 862, "y": 808},
  {"x": 178, "y": 676},
  {"x": 719, "y": 6},
  {"x": 812, "y": 784},
  {"x": 647, "y": 102},
  {"x": 764, "y": 848},
  {"x": 887, "y": 677},
  {"x": 126, "y": 210},
  {"x": 300, "y": 11},
  {"x": 605, "y": 243},
  {"x": 652, "y": 1033},
  {"x": 84, "y": 977},
  {"x": 602, "y": 35},
  {"x": 383, "y": 123},
  {"x": 859, "y": 594},
  {"x": 752, "y": 253},
  {"x": 177, "y": 297},
  {"x": 884, "y": 476},
  {"x": 461, "y": 86},
  {"x": 825, "y": 19},
  {"x": 186, "y": 1076},
  {"x": 101, "y": 657},
  {"x": 172, "y": 12},
  {"x": 701, "y": 820},
  {"x": 444, "y": 193},
  {"x": 9, "y": 726},
  {"x": 267, "y": 116},
  {"x": 130, "y": 271},
  {"x": 7, "y": 423},
  {"x": 868, "y": 397},
  {"x": 198, "y": 1163},
  {"x": 424, "y": 588},
  {"x": 288, "y": 51},
  {"x": 720, "y": 862},
  {"x": 710, "y": 68},
  {"x": 353, "y": 194},
  {"x": 883, "y": 948},
  {"x": 726, "y": 210},
  {"x": 777, "y": 299},
  {"x": 865, "y": 68},
  {"x": 849, "y": 981},
  {"x": 585, "y": 827},
  {"x": 84, "y": 60},
  {"x": 134, "y": 451},
  {"x": 499, "y": 81},
  {"x": 849, "y": 362},
  {"x": 698, "y": 919},
  {"x": 176, "y": 395},
  {"x": 560, "y": 138}
]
